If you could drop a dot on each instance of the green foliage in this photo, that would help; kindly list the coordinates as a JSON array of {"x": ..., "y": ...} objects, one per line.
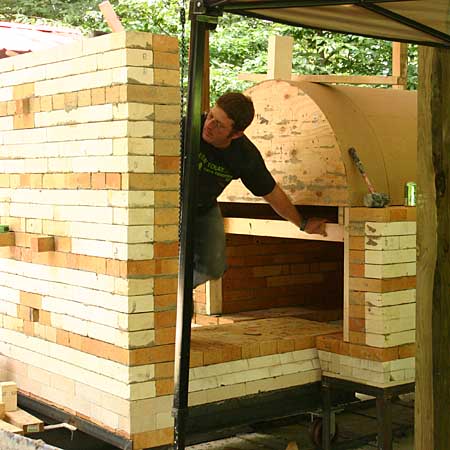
[{"x": 238, "y": 45}]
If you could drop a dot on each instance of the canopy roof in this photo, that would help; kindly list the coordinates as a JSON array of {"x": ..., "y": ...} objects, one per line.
[{"x": 420, "y": 21}]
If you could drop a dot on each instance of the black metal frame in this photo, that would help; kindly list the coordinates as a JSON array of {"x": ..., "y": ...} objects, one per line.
[
  {"x": 203, "y": 13},
  {"x": 51, "y": 412},
  {"x": 383, "y": 396}
]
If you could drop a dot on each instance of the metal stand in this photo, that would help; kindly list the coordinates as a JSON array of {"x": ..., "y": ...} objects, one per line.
[{"x": 383, "y": 397}]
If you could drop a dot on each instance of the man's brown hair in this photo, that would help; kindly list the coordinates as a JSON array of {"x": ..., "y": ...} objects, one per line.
[{"x": 239, "y": 108}]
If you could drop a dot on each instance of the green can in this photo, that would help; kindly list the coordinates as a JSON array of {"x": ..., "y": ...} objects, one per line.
[{"x": 410, "y": 193}]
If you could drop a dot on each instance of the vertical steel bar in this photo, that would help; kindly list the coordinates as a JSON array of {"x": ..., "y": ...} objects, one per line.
[{"x": 188, "y": 210}]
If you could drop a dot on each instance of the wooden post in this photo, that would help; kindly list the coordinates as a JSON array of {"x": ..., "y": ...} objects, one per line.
[
  {"x": 214, "y": 297},
  {"x": 432, "y": 425},
  {"x": 279, "y": 58},
  {"x": 400, "y": 64}
]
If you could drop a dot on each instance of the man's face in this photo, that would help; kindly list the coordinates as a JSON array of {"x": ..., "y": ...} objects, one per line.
[{"x": 218, "y": 128}]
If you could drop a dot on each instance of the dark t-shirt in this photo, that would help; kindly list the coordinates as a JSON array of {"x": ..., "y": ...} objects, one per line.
[{"x": 217, "y": 167}]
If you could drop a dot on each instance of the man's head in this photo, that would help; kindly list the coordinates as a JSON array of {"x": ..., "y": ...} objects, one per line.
[{"x": 227, "y": 120}]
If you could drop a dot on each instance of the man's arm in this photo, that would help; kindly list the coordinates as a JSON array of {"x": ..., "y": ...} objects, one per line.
[{"x": 283, "y": 206}]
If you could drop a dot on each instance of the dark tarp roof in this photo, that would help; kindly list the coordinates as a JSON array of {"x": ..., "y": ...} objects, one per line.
[{"x": 420, "y": 21}]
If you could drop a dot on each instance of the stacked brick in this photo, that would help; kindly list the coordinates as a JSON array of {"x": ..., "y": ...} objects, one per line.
[
  {"x": 268, "y": 272},
  {"x": 382, "y": 296},
  {"x": 89, "y": 150},
  {"x": 234, "y": 360}
]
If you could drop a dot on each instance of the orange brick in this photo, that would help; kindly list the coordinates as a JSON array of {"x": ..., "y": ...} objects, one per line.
[
  {"x": 356, "y": 270},
  {"x": 112, "y": 94},
  {"x": 139, "y": 181},
  {"x": 357, "y": 324},
  {"x": 165, "y": 285},
  {"x": 28, "y": 328},
  {"x": 113, "y": 180},
  {"x": 35, "y": 104},
  {"x": 356, "y": 256},
  {"x": 113, "y": 267},
  {"x": 382, "y": 285},
  {"x": 357, "y": 311},
  {"x": 58, "y": 101},
  {"x": 166, "y": 216},
  {"x": 164, "y": 370},
  {"x": 42, "y": 244},
  {"x": 167, "y": 164},
  {"x": 92, "y": 263},
  {"x": 62, "y": 337},
  {"x": 84, "y": 98},
  {"x": 411, "y": 213},
  {"x": 165, "y": 60},
  {"x": 356, "y": 337},
  {"x": 196, "y": 359},
  {"x": 397, "y": 213},
  {"x": 23, "y": 121},
  {"x": 356, "y": 298},
  {"x": 23, "y": 90},
  {"x": 78, "y": 181},
  {"x": 63, "y": 244},
  {"x": 143, "y": 267},
  {"x": 165, "y": 319},
  {"x": 45, "y": 317},
  {"x": 98, "y": 96},
  {"x": 160, "y": 353},
  {"x": 46, "y": 103},
  {"x": 150, "y": 439},
  {"x": 98, "y": 180},
  {"x": 70, "y": 100},
  {"x": 166, "y": 266},
  {"x": 268, "y": 348},
  {"x": 31, "y": 300},
  {"x": 54, "y": 180},
  {"x": 7, "y": 239},
  {"x": 165, "y": 249},
  {"x": 164, "y": 387},
  {"x": 167, "y": 199},
  {"x": 361, "y": 214},
  {"x": 357, "y": 243},
  {"x": 165, "y": 301},
  {"x": 24, "y": 312},
  {"x": 23, "y": 106},
  {"x": 407, "y": 351}
]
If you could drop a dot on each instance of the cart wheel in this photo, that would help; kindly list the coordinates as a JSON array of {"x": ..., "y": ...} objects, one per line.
[{"x": 316, "y": 432}]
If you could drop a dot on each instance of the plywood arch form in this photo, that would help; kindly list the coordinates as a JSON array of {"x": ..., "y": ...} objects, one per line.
[{"x": 304, "y": 131}]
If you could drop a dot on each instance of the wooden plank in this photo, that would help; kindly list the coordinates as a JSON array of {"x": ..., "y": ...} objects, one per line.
[
  {"x": 11, "y": 428},
  {"x": 279, "y": 228},
  {"x": 7, "y": 239},
  {"x": 432, "y": 422},
  {"x": 25, "y": 421},
  {"x": 111, "y": 17},
  {"x": 346, "y": 324},
  {"x": 338, "y": 79},
  {"x": 214, "y": 297},
  {"x": 279, "y": 57},
  {"x": 400, "y": 64}
]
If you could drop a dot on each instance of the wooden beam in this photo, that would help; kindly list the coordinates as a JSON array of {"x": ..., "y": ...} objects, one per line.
[
  {"x": 280, "y": 228},
  {"x": 400, "y": 64},
  {"x": 338, "y": 79},
  {"x": 279, "y": 57},
  {"x": 346, "y": 324},
  {"x": 214, "y": 297},
  {"x": 111, "y": 17},
  {"x": 432, "y": 423}
]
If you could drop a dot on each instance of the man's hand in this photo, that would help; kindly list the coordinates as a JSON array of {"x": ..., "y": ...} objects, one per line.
[{"x": 316, "y": 225}]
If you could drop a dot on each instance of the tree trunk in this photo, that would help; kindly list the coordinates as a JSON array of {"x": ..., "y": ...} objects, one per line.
[{"x": 433, "y": 242}]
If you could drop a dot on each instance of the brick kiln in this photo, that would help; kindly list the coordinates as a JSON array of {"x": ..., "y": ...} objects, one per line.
[
  {"x": 88, "y": 271},
  {"x": 363, "y": 272}
]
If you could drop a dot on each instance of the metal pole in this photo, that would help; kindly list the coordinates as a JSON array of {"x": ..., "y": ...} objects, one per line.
[{"x": 188, "y": 211}]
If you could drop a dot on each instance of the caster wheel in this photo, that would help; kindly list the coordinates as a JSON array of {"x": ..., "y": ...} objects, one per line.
[{"x": 316, "y": 432}]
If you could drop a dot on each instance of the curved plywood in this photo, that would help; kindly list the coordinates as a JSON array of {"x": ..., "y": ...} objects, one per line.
[{"x": 304, "y": 131}]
